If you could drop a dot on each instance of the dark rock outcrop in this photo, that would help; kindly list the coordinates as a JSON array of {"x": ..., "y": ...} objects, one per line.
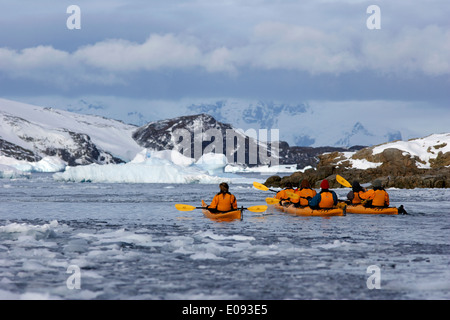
[
  {"x": 397, "y": 169},
  {"x": 11, "y": 150},
  {"x": 85, "y": 152}
]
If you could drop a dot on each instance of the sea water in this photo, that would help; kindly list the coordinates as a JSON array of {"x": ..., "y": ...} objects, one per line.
[{"x": 127, "y": 241}]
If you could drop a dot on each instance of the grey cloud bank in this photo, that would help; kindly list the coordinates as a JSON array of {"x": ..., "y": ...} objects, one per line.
[{"x": 141, "y": 52}]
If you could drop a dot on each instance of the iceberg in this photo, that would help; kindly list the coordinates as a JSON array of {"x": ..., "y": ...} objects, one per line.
[
  {"x": 264, "y": 169},
  {"x": 170, "y": 155},
  {"x": 46, "y": 164},
  {"x": 148, "y": 166},
  {"x": 213, "y": 163},
  {"x": 8, "y": 172}
]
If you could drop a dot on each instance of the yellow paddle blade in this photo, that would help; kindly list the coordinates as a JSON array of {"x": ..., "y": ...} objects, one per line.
[
  {"x": 292, "y": 195},
  {"x": 272, "y": 200},
  {"x": 184, "y": 207},
  {"x": 260, "y": 186},
  {"x": 342, "y": 181},
  {"x": 257, "y": 208}
]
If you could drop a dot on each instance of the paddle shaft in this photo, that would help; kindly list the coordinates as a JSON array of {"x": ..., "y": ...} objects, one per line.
[
  {"x": 218, "y": 211},
  {"x": 185, "y": 207},
  {"x": 252, "y": 209}
]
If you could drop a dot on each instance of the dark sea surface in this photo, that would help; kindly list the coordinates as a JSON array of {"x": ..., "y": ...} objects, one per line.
[{"x": 127, "y": 241}]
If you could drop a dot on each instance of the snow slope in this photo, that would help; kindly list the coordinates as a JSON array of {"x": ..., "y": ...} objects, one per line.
[
  {"x": 37, "y": 128},
  {"x": 424, "y": 149}
]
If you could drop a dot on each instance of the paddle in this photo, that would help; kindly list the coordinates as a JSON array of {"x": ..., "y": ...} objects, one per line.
[
  {"x": 345, "y": 183},
  {"x": 292, "y": 195},
  {"x": 272, "y": 200},
  {"x": 262, "y": 187},
  {"x": 186, "y": 207},
  {"x": 342, "y": 181}
]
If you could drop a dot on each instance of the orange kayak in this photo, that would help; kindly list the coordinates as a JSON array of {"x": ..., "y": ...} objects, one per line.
[
  {"x": 226, "y": 216},
  {"x": 359, "y": 208},
  {"x": 307, "y": 211}
]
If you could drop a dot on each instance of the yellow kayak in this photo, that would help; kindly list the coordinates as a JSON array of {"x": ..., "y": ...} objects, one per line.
[
  {"x": 359, "y": 208},
  {"x": 226, "y": 216},
  {"x": 307, "y": 211}
]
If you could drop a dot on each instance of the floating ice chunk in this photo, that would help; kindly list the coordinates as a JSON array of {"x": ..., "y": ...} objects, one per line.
[
  {"x": 24, "y": 230},
  {"x": 46, "y": 164},
  {"x": 8, "y": 172},
  {"x": 205, "y": 256},
  {"x": 335, "y": 244},
  {"x": 213, "y": 163},
  {"x": 211, "y": 235},
  {"x": 49, "y": 164},
  {"x": 170, "y": 155},
  {"x": 234, "y": 168}
]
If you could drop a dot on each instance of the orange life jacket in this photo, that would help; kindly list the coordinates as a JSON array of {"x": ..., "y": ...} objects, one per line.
[
  {"x": 356, "y": 198},
  {"x": 303, "y": 194},
  {"x": 282, "y": 194},
  {"x": 223, "y": 202},
  {"x": 327, "y": 200},
  {"x": 380, "y": 198},
  {"x": 368, "y": 195}
]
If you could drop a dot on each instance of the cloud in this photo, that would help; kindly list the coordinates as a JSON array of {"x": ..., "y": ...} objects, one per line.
[
  {"x": 32, "y": 59},
  {"x": 49, "y": 65},
  {"x": 424, "y": 50},
  {"x": 158, "y": 51},
  {"x": 282, "y": 46},
  {"x": 271, "y": 46}
]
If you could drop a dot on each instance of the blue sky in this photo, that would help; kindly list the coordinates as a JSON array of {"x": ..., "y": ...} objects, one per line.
[{"x": 142, "y": 55}]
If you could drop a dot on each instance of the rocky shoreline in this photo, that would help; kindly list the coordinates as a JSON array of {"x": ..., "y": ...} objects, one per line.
[{"x": 396, "y": 170}]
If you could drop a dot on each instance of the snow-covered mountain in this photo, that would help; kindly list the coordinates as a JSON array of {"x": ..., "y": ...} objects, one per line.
[
  {"x": 31, "y": 133},
  {"x": 200, "y": 134},
  {"x": 299, "y": 124}
]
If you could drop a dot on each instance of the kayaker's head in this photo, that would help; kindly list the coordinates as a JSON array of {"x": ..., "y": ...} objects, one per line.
[
  {"x": 324, "y": 184},
  {"x": 224, "y": 187},
  {"x": 356, "y": 187},
  {"x": 305, "y": 184},
  {"x": 288, "y": 185},
  {"x": 377, "y": 184}
]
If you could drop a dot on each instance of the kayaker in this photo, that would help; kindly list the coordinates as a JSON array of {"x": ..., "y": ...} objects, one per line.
[
  {"x": 325, "y": 199},
  {"x": 353, "y": 195},
  {"x": 224, "y": 200},
  {"x": 376, "y": 197},
  {"x": 284, "y": 198},
  {"x": 304, "y": 192}
]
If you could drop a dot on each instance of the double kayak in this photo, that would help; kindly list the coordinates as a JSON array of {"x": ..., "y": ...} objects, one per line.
[
  {"x": 308, "y": 211},
  {"x": 225, "y": 216},
  {"x": 361, "y": 209}
]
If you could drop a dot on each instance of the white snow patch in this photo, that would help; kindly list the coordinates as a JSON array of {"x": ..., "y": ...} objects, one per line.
[{"x": 425, "y": 149}]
